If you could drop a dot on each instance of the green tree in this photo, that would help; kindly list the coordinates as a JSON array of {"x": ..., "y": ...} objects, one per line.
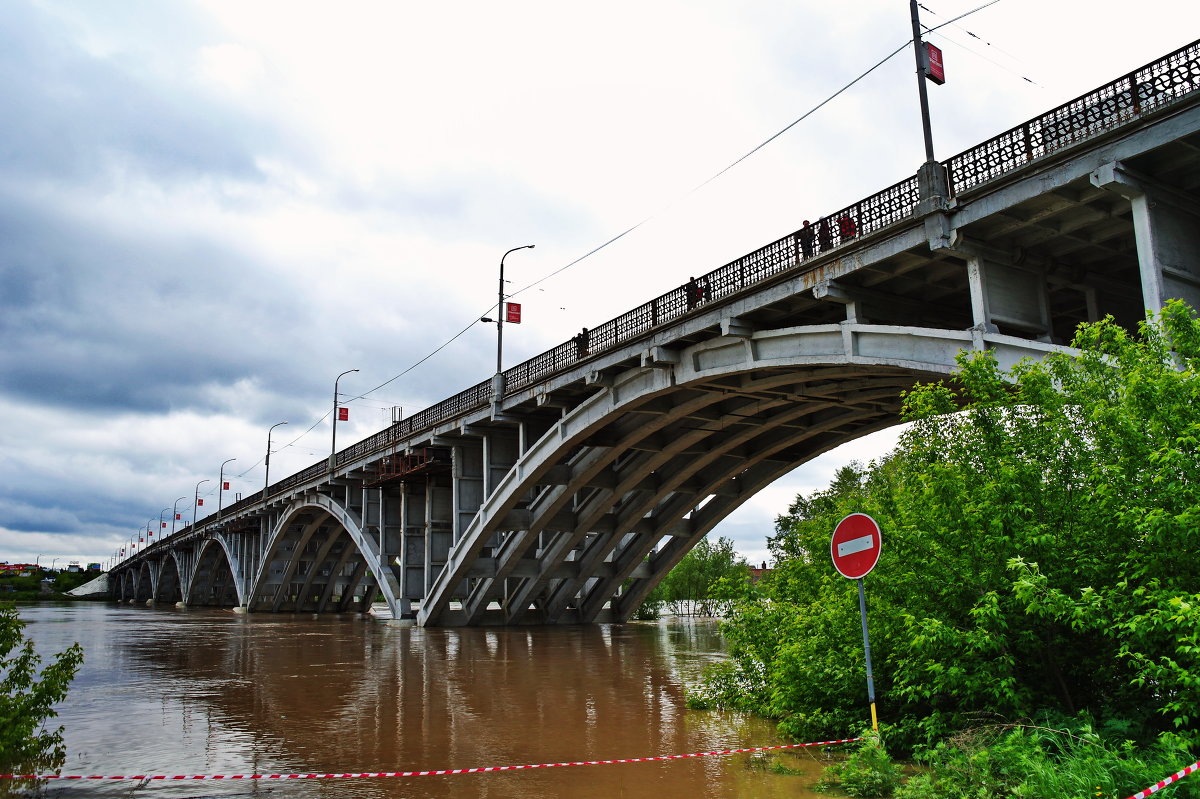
[
  {"x": 27, "y": 700},
  {"x": 702, "y": 581},
  {"x": 1038, "y": 531}
]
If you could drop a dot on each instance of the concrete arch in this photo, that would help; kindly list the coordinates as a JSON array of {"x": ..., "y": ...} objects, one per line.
[
  {"x": 213, "y": 580},
  {"x": 144, "y": 581},
  {"x": 643, "y": 469},
  {"x": 169, "y": 586},
  {"x": 317, "y": 558}
]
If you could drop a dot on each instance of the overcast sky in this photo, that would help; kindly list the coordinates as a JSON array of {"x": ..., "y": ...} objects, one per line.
[{"x": 210, "y": 208}]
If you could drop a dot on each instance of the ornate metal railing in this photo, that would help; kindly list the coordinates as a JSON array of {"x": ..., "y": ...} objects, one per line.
[
  {"x": 1112, "y": 105},
  {"x": 1135, "y": 95}
]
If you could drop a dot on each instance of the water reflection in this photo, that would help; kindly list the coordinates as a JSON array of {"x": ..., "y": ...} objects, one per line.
[{"x": 207, "y": 691}]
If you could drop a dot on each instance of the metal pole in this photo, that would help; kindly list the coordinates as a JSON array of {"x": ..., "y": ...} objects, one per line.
[
  {"x": 196, "y": 501},
  {"x": 267, "y": 460},
  {"x": 862, "y": 609},
  {"x": 175, "y": 513},
  {"x": 500, "y": 310},
  {"x": 919, "y": 49},
  {"x": 221, "y": 487},
  {"x": 333, "y": 443},
  {"x": 161, "y": 523}
]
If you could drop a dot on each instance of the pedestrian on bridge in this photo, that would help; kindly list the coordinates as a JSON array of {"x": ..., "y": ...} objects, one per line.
[{"x": 806, "y": 239}]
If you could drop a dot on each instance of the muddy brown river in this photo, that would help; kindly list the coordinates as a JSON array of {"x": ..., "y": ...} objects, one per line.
[{"x": 191, "y": 691}]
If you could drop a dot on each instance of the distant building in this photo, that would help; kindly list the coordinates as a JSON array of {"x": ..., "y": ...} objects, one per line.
[
  {"x": 21, "y": 569},
  {"x": 759, "y": 573}
]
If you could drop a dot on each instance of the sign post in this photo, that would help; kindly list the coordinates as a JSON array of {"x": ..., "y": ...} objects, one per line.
[{"x": 855, "y": 548}]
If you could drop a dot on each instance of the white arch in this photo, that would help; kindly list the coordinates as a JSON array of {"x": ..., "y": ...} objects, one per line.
[
  {"x": 229, "y": 559},
  {"x": 350, "y": 522},
  {"x": 870, "y": 355}
]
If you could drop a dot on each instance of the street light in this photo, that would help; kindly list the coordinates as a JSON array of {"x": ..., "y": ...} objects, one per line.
[
  {"x": 161, "y": 523},
  {"x": 333, "y": 444},
  {"x": 500, "y": 310},
  {"x": 175, "y": 513},
  {"x": 267, "y": 461},
  {"x": 196, "y": 500},
  {"x": 221, "y": 486},
  {"x": 52, "y": 564}
]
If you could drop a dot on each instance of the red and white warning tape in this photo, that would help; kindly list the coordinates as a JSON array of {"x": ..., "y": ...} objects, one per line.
[
  {"x": 442, "y": 772},
  {"x": 1178, "y": 775}
]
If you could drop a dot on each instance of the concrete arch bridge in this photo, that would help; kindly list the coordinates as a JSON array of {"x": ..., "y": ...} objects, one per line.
[{"x": 562, "y": 490}]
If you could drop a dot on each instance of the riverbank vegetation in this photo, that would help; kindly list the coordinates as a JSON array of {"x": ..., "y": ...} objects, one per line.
[
  {"x": 27, "y": 700},
  {"x": 33, "y": 587},
  {"x": 695, "y": 586},
  {"x": 1035, "y": 612}
]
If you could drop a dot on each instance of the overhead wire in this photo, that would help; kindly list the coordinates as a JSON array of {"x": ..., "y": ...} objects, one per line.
[{"x": 972, "y": 50}]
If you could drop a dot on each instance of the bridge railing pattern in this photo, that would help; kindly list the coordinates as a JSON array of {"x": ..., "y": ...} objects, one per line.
[
  {"x": 1142, "y": 91},
  {"x": 1136, "y": 94}
]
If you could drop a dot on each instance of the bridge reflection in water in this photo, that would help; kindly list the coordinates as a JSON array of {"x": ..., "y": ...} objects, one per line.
[
  {"x": 563, "y": 490},
  {"x": 209, "y": 692}
]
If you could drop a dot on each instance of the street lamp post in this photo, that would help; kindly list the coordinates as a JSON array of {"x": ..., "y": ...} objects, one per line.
[
  {"x": 267, "y": 460},
  {"x": 921, "y": 91},
  {"x": 161, "y": 523},
  {"x": 333, "y": 443},
  {"x": 221, "y": 486},
  {"x": 196, "y": 500},
  {"x": 175, "y": 513},
  {"x": 52, "y": 564},
  {"x": 500, "y": 310}
]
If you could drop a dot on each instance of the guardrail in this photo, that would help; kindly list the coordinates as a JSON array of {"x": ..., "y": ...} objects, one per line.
[{"x": 1136, "y": 95}]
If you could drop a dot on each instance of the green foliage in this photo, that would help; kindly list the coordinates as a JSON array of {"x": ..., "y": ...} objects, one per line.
[
  {"x": 1038, "y": 530},
  {"x": 27, "y": 699},
  {"x": 867, "y": 772},
  {"x": 1032, "y": 761},
  {"x": 704, "y": 580}
]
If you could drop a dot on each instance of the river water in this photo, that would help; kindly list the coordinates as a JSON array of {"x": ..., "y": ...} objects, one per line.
[{"x": 202, "y": 691}]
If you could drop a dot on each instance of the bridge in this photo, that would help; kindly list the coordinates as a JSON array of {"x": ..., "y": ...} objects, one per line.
[{"x": 564, "y": 489}]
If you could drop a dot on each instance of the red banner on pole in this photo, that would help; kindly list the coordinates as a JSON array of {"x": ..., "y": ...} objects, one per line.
[
  {"x": 513, "y": 314},
  {"x": 225, "y": 486},
  {"x": 199, "y": 502},
  {"x": 343, "y": 414},
  {"x": 934, "y": 69}
]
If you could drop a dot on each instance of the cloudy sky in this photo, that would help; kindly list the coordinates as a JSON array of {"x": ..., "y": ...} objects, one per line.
[{"x": 211, "y": 208}]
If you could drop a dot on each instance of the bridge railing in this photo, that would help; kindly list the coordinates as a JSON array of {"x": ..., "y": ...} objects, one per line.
[
  {"x": 1110, "y": 106},
  {"x": 1142, "y": 91}
]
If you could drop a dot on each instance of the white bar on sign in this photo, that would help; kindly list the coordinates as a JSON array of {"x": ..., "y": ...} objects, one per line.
[{"x": 856, "y": 545}]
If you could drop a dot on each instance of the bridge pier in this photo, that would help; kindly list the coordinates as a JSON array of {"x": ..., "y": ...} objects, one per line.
[{"x": 1166, "y": 224}]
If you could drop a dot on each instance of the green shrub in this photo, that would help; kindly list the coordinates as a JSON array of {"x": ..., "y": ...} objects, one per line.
[
  {"x": 868, "y": 772},
  {"x": 27, "y": 699}
]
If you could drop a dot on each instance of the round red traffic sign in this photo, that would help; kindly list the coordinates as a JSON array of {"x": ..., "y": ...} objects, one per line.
[{"x": 855, "y": 545}]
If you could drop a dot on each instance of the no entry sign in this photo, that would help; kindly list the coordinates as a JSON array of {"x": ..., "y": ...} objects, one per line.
[{"x": 855, "y": 546}]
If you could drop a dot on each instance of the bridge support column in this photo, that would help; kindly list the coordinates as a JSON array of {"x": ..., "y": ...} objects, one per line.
[
  {"x": 1166, "y": 224},
  {"x": 1006, "y": 296}
]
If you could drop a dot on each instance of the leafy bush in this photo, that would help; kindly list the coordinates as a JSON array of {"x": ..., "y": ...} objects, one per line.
[
  {"x": 1033, "y": 761},
  {"x": 868, "y": 772},
  {"x": 27, "y": 699}
]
